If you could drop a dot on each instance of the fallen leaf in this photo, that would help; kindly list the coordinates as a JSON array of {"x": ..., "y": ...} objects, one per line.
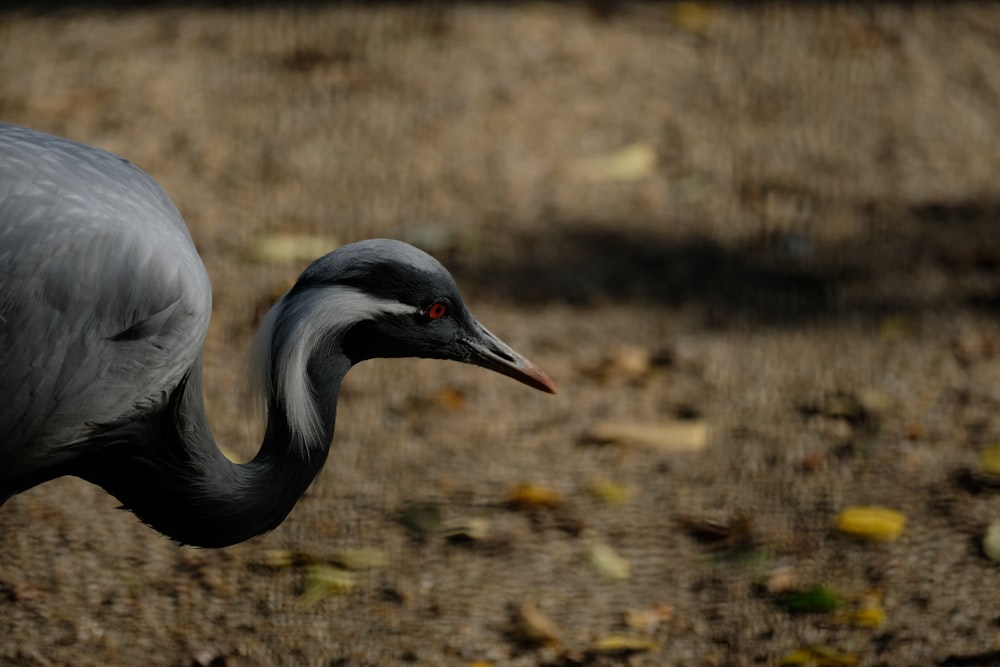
[
  {"x": 681, "y": 435},
  {"x": 281, "y": 558},
  {"x": 360, "y": 559},
  {"x": 289, "y": 248},
  {"x": 819, "y": 656},
  {"x": 877, "y": 524},
  {"x": 422, "y": 519},
  {"x": 733, "y": 534},
  {"x": 991, "y": 542},
  {"x": 811, "y": 600},
  {"x": 780, "y": 580},
  {"x": 989, "y": 459},
  {"x": 606, "y": 562},
  {"x": 324, "y": 581},
  {"x": 529, "y": 496},
  {"x": 467, "y": 530},
  {"x": 530, "y": 626},
  {"x": 629, "y": 163},
  {"x": 613, "y": 493},
  {"x": 874, "y": 401},
  {"x": 648, "y": 620},
  {"x": 621, "y": 645},
  {"x": 867, "y": 617}
]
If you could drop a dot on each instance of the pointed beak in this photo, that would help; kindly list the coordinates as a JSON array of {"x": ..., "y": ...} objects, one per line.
[{"x": 490, "y": 352}]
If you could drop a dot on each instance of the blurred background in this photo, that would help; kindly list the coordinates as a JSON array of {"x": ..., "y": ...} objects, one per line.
[{"x": 755, "y": 245}]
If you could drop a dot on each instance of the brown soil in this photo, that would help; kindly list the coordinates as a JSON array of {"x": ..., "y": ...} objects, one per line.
[{"x": 813, "y": 261}]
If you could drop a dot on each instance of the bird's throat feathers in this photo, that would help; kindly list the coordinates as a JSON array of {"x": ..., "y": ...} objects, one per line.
[{"x": 297, "y": 360}]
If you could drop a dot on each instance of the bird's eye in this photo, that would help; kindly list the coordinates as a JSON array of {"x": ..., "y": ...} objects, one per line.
[{"x": 437, "y": 311}]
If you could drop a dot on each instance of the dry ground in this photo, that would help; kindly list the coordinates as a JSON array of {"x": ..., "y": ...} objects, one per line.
[{"x": 820, "y": 216}]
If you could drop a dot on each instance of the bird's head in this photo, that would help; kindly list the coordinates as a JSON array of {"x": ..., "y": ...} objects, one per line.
[
  {"x": 377, "y": 298},
  {"x": 412, "y": 308}
]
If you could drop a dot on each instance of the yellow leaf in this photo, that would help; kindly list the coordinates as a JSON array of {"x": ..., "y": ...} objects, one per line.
[
  {"x": 991, "y": 542},
  {"x": 610, "y": 492},
  {"x": 617, "y": 644},
  {"x": 868, "y": 617},
  {"x": 874, "y": 401},
  {"x": 819, "y": 656},
  {"x": 989, "y": 459},
  {"x": 360, "y": 559},
  {"x": 606, "y": 562},
  {"x": 279, "y": 558},
  {"x": 679, "y": 435},
  {"x": 467, "y": 529},
  {"x": 878, "y": 524},
  {"x": 531, "y": 626},
  {"x": 629, "y": 163},
  {"x": 323, "y": 581},
  {"x": 533, "y": 496}
]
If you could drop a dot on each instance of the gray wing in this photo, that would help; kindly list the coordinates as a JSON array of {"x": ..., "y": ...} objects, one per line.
[{"x": 104, "y": 302}]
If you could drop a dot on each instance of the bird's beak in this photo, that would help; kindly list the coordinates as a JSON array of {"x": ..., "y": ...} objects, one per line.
[{"x": 490, "y": 352}]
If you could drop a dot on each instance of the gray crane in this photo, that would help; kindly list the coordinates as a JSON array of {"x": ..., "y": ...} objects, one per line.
[{"x": 104, "y": 306}]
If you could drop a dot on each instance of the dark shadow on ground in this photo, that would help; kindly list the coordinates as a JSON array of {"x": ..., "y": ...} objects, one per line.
[
  {"x": 933, "y": 255},
  {"x": 586, "y": 263}
]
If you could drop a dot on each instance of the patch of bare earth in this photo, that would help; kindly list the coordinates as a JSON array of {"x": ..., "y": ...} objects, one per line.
[{"x": 773, "y": 230}]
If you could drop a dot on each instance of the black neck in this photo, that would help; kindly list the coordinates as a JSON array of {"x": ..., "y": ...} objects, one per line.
[{"x": 168, "y": 470}]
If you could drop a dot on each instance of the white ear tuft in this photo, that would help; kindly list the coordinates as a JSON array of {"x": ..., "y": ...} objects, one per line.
[{"x": 290, "y": 334}]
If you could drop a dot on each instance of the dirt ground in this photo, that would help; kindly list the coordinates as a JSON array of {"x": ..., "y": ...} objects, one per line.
[{"x": 777, "y": 223}]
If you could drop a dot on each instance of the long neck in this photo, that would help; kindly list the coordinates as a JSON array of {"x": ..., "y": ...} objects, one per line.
[{"x": 169, "y": 471}]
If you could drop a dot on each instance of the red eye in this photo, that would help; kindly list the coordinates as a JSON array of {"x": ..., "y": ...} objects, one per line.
[{"x": 437, "y": 311}]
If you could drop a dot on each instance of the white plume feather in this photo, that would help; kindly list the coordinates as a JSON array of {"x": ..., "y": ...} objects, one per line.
[{"x": 289, "y": 335}]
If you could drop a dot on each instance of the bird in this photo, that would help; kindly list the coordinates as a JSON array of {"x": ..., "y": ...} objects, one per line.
[{"x": 104, "y": 308}]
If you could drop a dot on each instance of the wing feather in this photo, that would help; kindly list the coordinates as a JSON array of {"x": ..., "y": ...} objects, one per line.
[{"x": 104, "y": 302}]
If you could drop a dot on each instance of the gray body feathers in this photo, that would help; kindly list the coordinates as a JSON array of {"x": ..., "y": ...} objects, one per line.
[{"x": 97, "y": 320}]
